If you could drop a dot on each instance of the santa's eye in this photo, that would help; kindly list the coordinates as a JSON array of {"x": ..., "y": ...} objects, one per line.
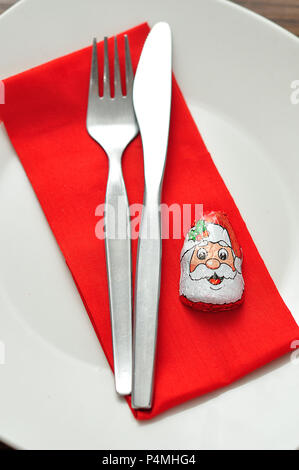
[
  {"x": 202, "y": 253},
  {"x": 223, "y": 254}
]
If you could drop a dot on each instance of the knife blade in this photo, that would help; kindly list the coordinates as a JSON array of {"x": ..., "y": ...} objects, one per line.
[{"x": 152, "y": 104}]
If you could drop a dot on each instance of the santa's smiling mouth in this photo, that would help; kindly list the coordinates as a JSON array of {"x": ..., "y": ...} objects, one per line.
[{"x": 215, "y": 280}]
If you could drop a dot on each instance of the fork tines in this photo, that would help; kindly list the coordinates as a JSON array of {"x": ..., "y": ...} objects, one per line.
[{"x": 94, "y": 76}]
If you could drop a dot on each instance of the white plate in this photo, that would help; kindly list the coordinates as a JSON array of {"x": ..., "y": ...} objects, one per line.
[{"x": 235, "y": 70}]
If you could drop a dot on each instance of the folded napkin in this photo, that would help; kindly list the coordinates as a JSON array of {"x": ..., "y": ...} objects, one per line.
[{"x": 45, "y": 115}]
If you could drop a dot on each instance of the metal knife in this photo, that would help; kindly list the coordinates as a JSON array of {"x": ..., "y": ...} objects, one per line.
[{"x": 152, "y": 103}]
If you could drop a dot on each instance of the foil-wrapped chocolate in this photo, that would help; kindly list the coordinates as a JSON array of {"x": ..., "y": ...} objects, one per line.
[{"x": 211, "y": 265}]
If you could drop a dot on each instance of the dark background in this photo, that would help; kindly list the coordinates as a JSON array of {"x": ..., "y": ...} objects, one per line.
[{"x": 283, "y": 12}]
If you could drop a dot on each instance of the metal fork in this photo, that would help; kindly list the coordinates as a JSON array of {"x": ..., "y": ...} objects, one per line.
[{"x": 111, "y": 123}]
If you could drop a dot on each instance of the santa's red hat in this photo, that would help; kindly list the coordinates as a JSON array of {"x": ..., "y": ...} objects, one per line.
[{"x": 212, "y": 227}]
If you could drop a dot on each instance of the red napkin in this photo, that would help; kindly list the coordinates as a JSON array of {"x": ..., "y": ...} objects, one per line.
[{"x": 44, "y": 115}]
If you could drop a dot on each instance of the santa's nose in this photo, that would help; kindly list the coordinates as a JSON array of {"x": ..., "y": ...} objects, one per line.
[{"x": 213, "y": 263}]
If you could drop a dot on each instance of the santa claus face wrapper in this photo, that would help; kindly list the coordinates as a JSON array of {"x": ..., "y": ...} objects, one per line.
[{"x": 211, "y": 265}]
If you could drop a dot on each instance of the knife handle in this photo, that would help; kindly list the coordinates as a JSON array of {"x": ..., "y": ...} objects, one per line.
[
  {"x": 118, "y": 260},
  {"x": 147, "y": 294}
]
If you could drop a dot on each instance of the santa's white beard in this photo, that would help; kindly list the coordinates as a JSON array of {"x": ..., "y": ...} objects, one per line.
[{"x": 196, "y": 287}]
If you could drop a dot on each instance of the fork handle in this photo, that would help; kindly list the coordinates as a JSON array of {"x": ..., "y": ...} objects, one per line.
[
  {"x": 147, "y": 293},
  {"x": 118, "y": 260}
]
